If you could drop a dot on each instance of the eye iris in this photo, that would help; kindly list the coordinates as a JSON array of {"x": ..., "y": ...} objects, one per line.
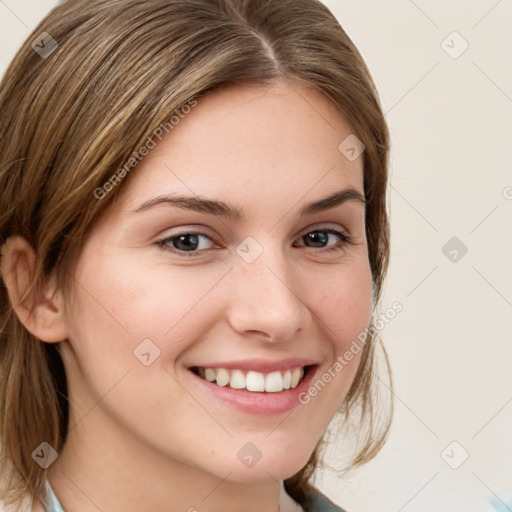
[
  {"x": 318, "y": 238},
  {"x": 186, "y": 242}
]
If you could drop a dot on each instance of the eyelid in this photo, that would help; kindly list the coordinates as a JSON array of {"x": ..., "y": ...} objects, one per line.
[
  {"x": 321, "y": 226},
  {"x": 192, "y": 230},
  {"x": 203, "y": 230}
]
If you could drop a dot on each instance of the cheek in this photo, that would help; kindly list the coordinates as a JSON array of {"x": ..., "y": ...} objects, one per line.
[
  {"x": 342, "y": 309},
  {"x": 343, "y": 305},
  {"x": 121, "y": 302},
  {"x": 117, "y": 307}
]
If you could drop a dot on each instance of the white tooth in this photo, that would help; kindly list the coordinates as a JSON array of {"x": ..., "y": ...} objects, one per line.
[
  {"x": 296, "y": 376},
  {"x": 209, "y": 374},
  {"x": 255, "y": 381},
  {"x": 287, "y": 379},
  {"x": 237, "y": 380},
  {"x": 274, "y": 382},
  {"x": 222, "y": 377}
]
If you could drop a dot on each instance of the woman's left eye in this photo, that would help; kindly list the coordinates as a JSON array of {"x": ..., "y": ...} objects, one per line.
[
  {"x": 190, "y": 243},
  {"x": 320, "y": 237}
]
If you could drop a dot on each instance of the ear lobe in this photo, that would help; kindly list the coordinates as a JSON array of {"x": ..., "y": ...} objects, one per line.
[{"x": 41, "y": 313}]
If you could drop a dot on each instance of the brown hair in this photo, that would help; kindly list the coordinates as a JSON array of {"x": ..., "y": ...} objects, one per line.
[{"x": 73, "y": 117}]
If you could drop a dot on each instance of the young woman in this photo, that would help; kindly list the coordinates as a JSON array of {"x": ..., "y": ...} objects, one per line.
[{"x": 194, "y": 242}]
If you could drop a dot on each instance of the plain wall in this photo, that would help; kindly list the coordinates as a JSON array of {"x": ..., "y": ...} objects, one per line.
[{"x": 451, "y": 176}]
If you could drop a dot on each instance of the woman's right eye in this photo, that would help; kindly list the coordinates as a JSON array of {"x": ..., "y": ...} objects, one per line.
[{"x": 189, "y": 243}]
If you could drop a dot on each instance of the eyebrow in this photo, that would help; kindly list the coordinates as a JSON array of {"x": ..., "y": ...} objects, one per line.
[{"x": 200, "y": 204}]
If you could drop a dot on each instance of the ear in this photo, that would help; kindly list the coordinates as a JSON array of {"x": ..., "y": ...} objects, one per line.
[{"x": 41, "y": 313}]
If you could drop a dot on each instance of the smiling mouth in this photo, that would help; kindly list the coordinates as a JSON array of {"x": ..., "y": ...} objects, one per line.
[{"x": 273, "y": 382}]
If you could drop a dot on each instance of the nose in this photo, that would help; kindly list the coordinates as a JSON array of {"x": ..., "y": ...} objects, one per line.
[{"x": 265, "y": 299}]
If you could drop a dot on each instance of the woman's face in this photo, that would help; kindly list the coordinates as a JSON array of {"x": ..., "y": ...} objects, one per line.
[{"x": 164, "y": 289}]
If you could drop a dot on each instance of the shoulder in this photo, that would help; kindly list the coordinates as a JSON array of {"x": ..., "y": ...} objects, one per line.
[{"x": 315, "y": 501}]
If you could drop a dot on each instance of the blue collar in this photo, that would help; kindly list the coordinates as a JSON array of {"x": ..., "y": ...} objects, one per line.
[{"x": 52, "y": 504}]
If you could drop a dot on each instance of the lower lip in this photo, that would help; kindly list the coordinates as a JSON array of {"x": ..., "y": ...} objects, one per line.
[{"x": 261, "y": 403}]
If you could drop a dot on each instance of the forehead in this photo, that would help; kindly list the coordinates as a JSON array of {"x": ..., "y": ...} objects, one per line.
[{"x": 242, "y": 142}]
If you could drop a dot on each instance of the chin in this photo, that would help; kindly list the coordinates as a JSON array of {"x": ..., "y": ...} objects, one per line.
[{"x": 275, "y": 466}]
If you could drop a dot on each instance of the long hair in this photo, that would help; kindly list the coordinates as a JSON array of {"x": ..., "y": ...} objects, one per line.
[{"x": 84, "y": 92}]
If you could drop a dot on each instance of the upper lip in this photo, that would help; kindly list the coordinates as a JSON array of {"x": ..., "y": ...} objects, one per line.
[{"x": 260, "y": 365}]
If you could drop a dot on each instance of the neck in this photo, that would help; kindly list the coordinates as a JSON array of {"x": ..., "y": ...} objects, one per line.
[{"x": 101, "y": 467}]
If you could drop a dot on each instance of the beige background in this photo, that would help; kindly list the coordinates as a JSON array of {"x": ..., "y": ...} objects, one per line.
[{"x": 451, "y": 346}]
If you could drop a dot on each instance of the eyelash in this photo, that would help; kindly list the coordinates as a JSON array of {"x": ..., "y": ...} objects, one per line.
[{"x": 344, "y": 240}]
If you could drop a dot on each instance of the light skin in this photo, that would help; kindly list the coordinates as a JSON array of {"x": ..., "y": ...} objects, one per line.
[{"x": 145, "y": 438}]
